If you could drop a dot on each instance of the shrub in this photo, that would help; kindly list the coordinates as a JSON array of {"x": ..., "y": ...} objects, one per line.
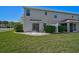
[
  {"x": 49, "y": 29},
  {"x": 61, "y": 28},
  {"x": 19, "y": 28}
]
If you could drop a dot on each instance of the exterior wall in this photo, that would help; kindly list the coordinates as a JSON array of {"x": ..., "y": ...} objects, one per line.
[
  {"x": 26, "y": 25},
  {"x": 49, "y": 18},
  {"x": 77, "y": 27}
]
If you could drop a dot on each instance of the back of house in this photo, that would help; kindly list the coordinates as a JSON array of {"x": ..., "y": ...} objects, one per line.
[{"x": 35, "y": 19}]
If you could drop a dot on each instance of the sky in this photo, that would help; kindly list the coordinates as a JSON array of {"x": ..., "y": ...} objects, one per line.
[{"x": 13, "y": 13}]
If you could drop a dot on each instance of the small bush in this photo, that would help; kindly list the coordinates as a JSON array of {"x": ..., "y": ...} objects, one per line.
[
  {"x": 19, "y": 28},
  {"x": 49, "y": 29},
  {"x": 61, "y": 28}
]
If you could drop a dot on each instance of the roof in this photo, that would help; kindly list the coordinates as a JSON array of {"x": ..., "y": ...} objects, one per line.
[
  {"x": 69, "y": 21},
  {"x": 50, "y": 10}
]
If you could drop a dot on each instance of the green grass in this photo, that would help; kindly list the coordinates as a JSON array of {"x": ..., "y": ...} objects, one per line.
[{"x": 13, "y": 43}]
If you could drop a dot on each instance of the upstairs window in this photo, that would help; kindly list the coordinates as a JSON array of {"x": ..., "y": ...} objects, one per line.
[
  {"x": 45, "y": 12},
  {"x": 55, "y": 16},
  {"x": 28, "y": 12},
  {"x": 72, "y": 16}
]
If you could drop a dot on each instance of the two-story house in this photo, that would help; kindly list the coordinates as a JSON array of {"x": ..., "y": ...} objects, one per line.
[{"x": 35, "y": 19}]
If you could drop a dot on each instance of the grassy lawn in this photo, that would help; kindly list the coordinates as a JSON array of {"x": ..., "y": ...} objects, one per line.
[{"x": 12, "y": 42}]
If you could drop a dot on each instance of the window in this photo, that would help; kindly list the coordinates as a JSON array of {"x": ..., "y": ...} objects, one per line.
[
  {"x": 74, "y": 27},
  {"x": 28, "y": 12},
  {"x": 44, "y": 24},
  {"x": 55, "y": 16},
  {"x": 45, "y": 12},
  {"x": 72, "y": 16}
]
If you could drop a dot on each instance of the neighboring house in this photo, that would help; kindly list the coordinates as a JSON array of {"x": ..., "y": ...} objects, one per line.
[{"x": 35, "y": 19}]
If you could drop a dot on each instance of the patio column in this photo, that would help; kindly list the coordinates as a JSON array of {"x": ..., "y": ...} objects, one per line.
[
  {"x": 57, "y": 27},
  {"x": 68, "y": 27}
]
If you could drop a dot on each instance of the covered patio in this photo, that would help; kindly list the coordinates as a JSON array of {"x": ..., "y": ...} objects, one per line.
[{"x": 70, "y": 25}]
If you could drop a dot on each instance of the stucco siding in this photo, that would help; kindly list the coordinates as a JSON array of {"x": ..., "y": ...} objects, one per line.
[{"x": 27, "y": 25}]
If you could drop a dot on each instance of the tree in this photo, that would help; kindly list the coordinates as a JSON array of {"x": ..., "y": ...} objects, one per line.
[{"x": 0, "y": 22}]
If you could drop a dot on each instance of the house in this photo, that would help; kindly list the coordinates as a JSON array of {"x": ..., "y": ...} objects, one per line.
[{"x": 35, "y": 19}]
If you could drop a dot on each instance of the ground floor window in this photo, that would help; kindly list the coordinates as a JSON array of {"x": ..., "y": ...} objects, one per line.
[
  {"x": 44, "y": 24},
  {"x": 74, "y": 27}
]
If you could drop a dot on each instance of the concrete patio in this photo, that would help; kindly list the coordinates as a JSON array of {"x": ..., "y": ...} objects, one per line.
[{"x": 33, "y": 33}]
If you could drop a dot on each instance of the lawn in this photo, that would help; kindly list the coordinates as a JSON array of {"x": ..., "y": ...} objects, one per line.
[{"x": 17, "y": 43}]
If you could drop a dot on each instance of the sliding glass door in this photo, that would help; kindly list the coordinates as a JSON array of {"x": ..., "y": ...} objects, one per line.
[{"x": 35, "y": 27}]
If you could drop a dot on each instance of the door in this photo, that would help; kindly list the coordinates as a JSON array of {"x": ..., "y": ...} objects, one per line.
[{"x": 35, "y": 27}]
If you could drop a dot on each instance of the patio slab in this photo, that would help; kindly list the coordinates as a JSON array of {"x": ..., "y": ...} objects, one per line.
[{"x": 33, "y": 33}]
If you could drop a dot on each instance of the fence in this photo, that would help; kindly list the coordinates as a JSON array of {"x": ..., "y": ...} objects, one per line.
[{"x": 5, "y": 29}]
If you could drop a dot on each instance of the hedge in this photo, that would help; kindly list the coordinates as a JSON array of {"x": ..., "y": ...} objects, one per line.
[
  {"x": 61, "y": 28},
  {"x": 49, "y": 29},
  {"x": 19, "y": 28}
]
